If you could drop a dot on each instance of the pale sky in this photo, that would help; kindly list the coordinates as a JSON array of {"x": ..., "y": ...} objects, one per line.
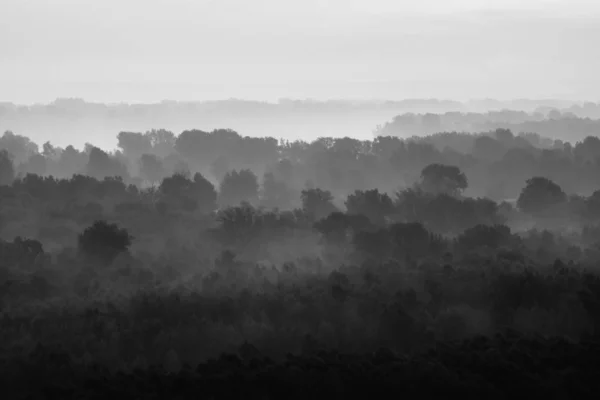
[{"x": 150, "y": 50}]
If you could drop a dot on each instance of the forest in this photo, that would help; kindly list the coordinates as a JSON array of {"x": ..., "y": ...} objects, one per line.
[
  {"x": 72, "y": 121},
  {"x": 203, "y": 259}
]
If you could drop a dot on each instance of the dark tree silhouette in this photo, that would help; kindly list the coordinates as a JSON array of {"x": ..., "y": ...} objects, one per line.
[
  {"x": 134, "y": 144},
  {"x": 592, "y": 206},
  {"x": 104, "y": 241},
  {"x": 317, "y": 203},
  {"x": 376, "y": 245},
  {"x": 237, "y": 187},
  {"x": 439, "y": 178},
  {"x": 412, "y": 241},
  {"x": 539, "y": 195},
  {"x": 485, "y": 236},
  {"x": 371, "y": 203},
  {"x": 337, "y": 227},
  {"x": 21, "y": 252},
  {"x": 205, "y": 194},
  {"x": 504, "y": 136},
  {"x": 102, "y": 165},
  {"x": 7, "y": 169},
  {"x": 180, "y": 192}
]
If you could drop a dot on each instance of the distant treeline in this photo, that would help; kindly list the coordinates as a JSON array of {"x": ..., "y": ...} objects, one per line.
[
  {"x": 496, "y": 163},
  {"x": 553, "y": 123},
  {"x": 72, "y": 121}
]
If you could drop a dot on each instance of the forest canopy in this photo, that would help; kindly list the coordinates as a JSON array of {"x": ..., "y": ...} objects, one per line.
[{"x": 263, "y": 247}]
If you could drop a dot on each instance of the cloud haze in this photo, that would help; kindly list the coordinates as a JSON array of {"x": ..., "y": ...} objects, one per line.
[{"x": 195, "y": 50}]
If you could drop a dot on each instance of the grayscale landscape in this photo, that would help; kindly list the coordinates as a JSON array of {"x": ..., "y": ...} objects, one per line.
[{"x": 299, "y": 199}]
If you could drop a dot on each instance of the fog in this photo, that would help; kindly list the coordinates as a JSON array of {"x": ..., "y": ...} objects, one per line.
[
  {"x": 149, "y": 51},
  {"x": 76, "y": 122},
  {"x": 309, "y": 199}
]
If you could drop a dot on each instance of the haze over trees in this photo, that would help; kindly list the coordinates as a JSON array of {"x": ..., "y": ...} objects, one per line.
[
  {"x": 65, "y": 119},
  {"x": 176, "y": 248},
  {"x": 302, "y": 244}
]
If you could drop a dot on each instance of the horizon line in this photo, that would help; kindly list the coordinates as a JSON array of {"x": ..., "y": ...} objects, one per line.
[{"x": 305, "y": 99}]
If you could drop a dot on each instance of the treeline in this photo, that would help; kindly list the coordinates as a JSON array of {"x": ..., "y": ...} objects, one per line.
[
  {"x": 496, "y": 164},
  {"x": 547, "y": 122},
  {"x": 243, "y": 214},
  {"x": 77, "y": 107}
]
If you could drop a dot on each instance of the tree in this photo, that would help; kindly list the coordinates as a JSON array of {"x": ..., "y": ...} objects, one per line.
[
  {"x": 485, "y": 236},
  {"x": 539, "y": 195},
  {"x": 592, "y": 206},
  {"x": 101, "y": 165},
  {"x": 376, "y": 206},
  {"x": 205, "y": 194},
  {"x": 376, "y": 244},
  {"x": 440, "y": 178},
  {"x": 412, "y": 241},
  {"x": 50, "y": 151},
  {"x": 37, "y": 164},
  {"x": 151, "y": 168},
  {"x": 175, "y": 185},
  {"x": 21, "y": 252},
  {"x": 488, "y": 148},
  {"x": 337, "y": 226},
  {"x": 237, "y": 187},
  {"x": 276, "y": 193},
  {"x": 431, "y": 123},
  {"x": 104, "y": 241},
  {"x": 190, "y": 195},
  {"x": 20, "y": 147},
  {"x": 193, "y": 144},
  {"x": 134, "y": 144},
  {"x": 239, "y": 224},
  {"x": 7, "y": 169},
  {"x": 163, "y": 142},
  {"x": 317, "y": 203},
  {"x": 219, "y": 167},
  {"x": 35, "y": 185},
  {"x": 504, "y": 136}
]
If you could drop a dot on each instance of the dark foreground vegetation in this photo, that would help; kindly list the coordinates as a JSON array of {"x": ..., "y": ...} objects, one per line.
[
  {"x": 348, "y": 268},
  {"x": 505, "y": 366}
]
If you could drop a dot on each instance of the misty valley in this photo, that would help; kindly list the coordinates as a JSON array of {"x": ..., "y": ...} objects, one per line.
[{"x": 212, "y": 263}]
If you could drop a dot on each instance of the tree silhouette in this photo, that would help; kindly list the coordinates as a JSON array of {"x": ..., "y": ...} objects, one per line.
[
  {"x": 36, "y": 164},
  {"x": 317, "y": 203},
  {"x": 439, "y": 178},
  {"x": 180, "y": 192},
  {"x": 151, "y": 168},
  {"x": 276, "y": 193},
  {"x": 237, "y": 187},
  {"x": 7, "y": 169},
  {"x": 205, "y": 194},
  {"x": 539, "y": 195},
  {"x": 485, "y": 236},
  {"x": 101, "y": 165},
  {"x": 371, "y": 203},
  {"x": 104, "y": 241},
  {"x": 134, "y": 144},
  {"x": 412, "y": 241},
  {"x": 337, "y": 226}
]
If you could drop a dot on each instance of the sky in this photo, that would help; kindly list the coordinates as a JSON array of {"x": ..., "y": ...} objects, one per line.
[{"x": 152, "y": 50}]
